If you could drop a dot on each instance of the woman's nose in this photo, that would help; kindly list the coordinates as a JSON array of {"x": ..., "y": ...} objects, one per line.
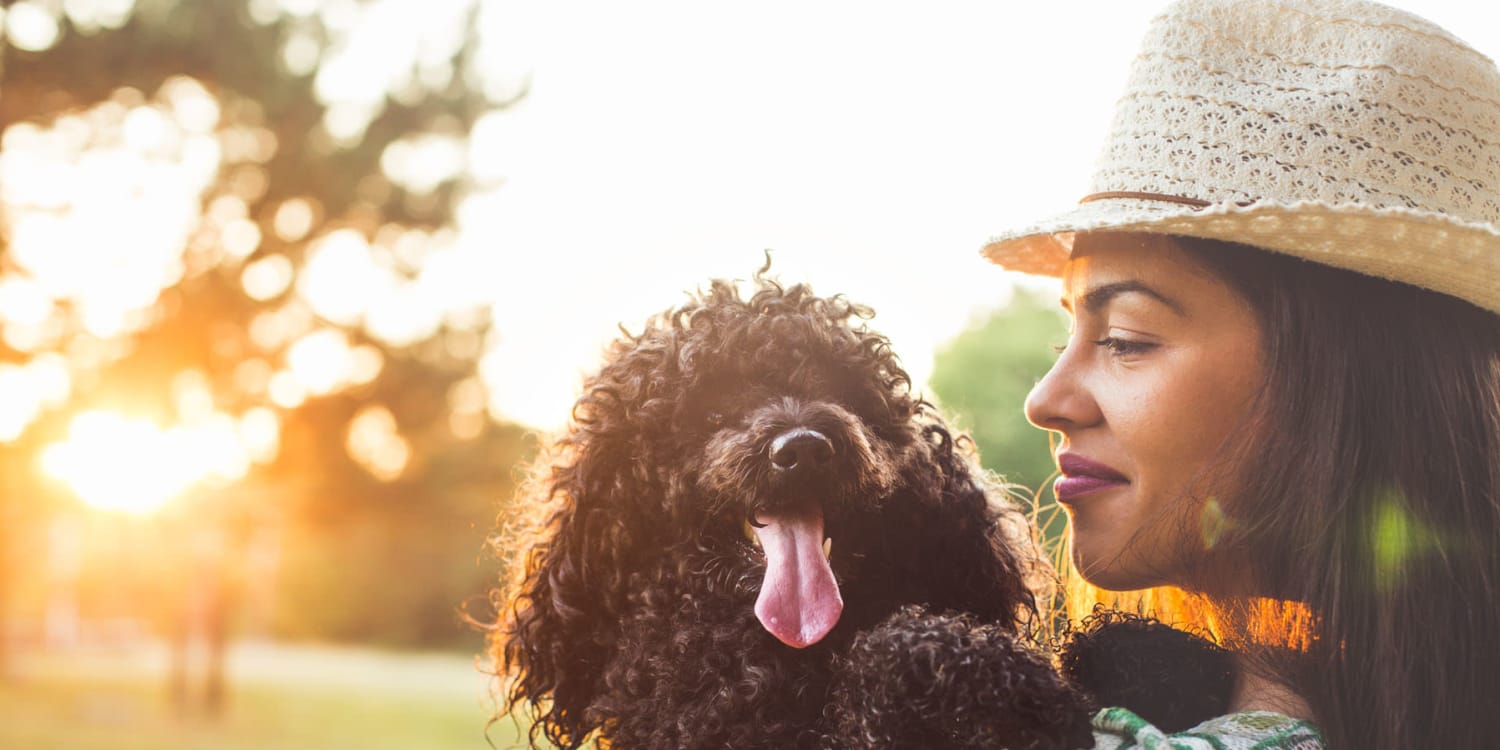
[{"x": 1059, "y": 401}]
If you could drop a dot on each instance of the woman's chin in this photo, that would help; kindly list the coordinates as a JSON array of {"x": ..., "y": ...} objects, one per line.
[{"x": 1110, "y": 570}]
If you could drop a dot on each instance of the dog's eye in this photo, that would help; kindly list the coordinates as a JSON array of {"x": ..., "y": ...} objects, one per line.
[{"x": 714, "y": 420}]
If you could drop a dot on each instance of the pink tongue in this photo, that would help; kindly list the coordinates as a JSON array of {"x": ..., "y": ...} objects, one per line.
[{"x": 799, "y": 600}]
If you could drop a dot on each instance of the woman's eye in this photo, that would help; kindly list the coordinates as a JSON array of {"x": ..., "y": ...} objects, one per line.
[{"x": 1124, "y": 347}]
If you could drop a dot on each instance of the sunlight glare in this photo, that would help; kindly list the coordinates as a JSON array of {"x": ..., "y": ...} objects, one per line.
[
  {"x": 129, "y": 464},
  {"x": 107, "y": 461}
]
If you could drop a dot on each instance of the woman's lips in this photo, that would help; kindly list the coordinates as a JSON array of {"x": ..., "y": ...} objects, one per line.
[{"x": 1082, "y": 476}]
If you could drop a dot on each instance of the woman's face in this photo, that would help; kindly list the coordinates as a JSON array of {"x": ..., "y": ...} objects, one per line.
[{"x": 1162, "y": 363}]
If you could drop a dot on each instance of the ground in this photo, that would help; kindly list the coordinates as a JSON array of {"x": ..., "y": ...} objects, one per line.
[{"x": 282, "y": 698}]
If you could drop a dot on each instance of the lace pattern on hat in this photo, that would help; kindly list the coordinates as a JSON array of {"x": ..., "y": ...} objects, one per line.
[{"x": 1187, "y": 128}]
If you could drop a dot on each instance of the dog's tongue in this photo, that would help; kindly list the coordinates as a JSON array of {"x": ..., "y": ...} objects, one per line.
[{"x": 799, "y": 600}]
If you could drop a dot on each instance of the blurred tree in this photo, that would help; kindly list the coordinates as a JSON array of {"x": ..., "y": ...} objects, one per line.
[
  {"x": 238, "y": 217},
  {"x": 982, "y": 378}
]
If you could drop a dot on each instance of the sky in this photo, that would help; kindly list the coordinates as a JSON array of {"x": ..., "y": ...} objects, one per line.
[{"x": 872, "y": 147}]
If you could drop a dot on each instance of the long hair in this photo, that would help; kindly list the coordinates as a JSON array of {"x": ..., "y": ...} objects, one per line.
[{"x": 1367, "y": 505}]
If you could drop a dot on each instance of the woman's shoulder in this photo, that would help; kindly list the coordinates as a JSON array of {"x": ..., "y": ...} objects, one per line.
[{"x": 1119, "y": 729}]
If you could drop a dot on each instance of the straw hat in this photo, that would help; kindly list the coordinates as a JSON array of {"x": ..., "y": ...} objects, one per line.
[{"x": 1339, "y": 131}]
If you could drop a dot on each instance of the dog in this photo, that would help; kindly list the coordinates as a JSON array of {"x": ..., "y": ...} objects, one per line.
[{"x": 754, "y": 535}]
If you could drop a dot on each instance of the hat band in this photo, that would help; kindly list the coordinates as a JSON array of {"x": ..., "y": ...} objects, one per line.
[{"x": 1194, "y": 202}]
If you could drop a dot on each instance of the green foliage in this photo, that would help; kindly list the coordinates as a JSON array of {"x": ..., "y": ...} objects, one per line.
[{"x": 981, "y": 379}]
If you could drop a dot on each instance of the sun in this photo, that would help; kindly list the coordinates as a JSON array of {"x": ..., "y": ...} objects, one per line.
[{"x": 130, "y": 464}]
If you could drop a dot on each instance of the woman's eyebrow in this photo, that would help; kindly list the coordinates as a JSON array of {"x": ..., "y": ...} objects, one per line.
[{"x": 1097, "y": 298}]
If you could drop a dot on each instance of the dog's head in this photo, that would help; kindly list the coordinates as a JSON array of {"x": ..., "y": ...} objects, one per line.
[
  {"x": 768, "y": 442},
  {"x": 753, "y": 426}
]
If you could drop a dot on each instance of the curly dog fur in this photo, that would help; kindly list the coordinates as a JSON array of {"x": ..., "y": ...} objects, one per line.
[
  {"x": 924, "y": 680},
  {"x": 1174, "y": 678},
  {"x": 947, "y": 680},
  {"x": 633, "y": 615}
]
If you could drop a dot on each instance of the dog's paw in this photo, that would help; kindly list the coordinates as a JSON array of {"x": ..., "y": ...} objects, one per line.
[
  {"x": 1168, "y": 677},
  {"x": 947, "y": 681}
]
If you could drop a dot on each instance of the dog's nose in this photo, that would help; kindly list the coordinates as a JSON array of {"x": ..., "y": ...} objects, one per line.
[{"x": 801, "y": 450}]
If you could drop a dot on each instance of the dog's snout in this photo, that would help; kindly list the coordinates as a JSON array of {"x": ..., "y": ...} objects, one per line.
[{"x": 801, "y": 450}]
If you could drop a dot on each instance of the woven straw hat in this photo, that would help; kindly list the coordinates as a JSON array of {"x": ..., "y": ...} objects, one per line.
[{"x": 1338, "y": 131}]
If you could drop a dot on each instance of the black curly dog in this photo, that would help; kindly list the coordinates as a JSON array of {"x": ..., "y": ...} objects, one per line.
[{"x": 752, "y": 535}]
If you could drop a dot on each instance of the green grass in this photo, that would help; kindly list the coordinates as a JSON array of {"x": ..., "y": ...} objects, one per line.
[{"x": 280, "y": 698}]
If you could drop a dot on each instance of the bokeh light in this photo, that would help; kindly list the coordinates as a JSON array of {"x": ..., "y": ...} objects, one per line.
[
  {"x": 294, "y": 219},
  {"x": 30, "y": 27},
  {"x": 99, "y": 206},
  {"x": 375, "y": 443},
  {"x": 341, "y": 280},
  {"x": 122, "y": 463},
  {"x": 321, "y": 361},
  {"x": 268, "y": 277},
  {"x": 27, "y": 389}
]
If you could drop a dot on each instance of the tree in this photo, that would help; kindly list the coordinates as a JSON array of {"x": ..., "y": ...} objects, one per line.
[
  {"x": 238, "y": 216},
  {"x": 983, "y": 376}
]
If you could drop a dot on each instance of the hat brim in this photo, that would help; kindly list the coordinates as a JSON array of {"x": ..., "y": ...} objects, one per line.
[{"x": 1427, "y": 249}]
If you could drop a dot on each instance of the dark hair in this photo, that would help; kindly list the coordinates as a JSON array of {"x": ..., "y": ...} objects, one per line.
[{"x": 1370, "y": 498}]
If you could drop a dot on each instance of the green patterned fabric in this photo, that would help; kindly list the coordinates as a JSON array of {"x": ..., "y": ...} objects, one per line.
[{"x": 1119, "y": 729}]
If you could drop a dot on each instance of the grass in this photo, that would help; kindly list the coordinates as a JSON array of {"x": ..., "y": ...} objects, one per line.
[{"x": 280, "y": 698}]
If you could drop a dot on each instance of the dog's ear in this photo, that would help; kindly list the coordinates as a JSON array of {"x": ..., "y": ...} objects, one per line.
[
  {"x": 564, "y": 611},
  {"x": 968, "y": 550}
]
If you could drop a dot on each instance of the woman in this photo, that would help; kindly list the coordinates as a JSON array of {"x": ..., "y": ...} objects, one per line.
[{"x": 1281, "y": 388}]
